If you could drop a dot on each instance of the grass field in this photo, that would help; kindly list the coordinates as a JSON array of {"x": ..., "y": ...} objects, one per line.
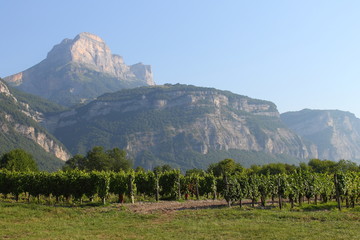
[{"x": 36, "y": 221}]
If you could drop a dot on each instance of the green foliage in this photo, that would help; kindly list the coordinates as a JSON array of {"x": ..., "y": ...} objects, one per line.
[
  {"x": 253, "y": 192},
  {"x": 231, "y": 189},
  {"x": 276, "y": 168},
  {"x": 322, "y": 166},
  {"x": 77, "y": 184},
  {"x": 102, "y": 184},
  {"x": 169, "y": 183},
  {"x": 347, "y": 166},
  {"x": 146, "y": 182},
  {"x": 226, "y": 166},
  {"x": 208, "y": 184},
  {"x": 162, "y": 168},
  {"x": 18, "y": 160},
  {"x": 99, "y": 159}
]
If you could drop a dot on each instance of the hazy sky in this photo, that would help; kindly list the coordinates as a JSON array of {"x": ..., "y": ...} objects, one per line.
[{"x": 298, "y": 54}]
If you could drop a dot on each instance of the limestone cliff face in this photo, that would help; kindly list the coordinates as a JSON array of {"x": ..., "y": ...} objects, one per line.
[
  {"x": 169, "y": 121},
  {"x": 80, "y": 69},
  {"x": 43, "y": 140},
  {"x": 335, "y": 133},
  {"x": 19, "y": 118}
]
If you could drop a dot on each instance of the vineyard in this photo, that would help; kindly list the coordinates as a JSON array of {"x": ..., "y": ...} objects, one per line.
[{"x": 78, "y": 186}]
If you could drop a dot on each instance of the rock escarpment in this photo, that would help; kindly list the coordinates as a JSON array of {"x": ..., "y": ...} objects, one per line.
[
  {"x": 19, "y": 128},
  {"x": 80, "y": 69},
  {"x": 178, "y": 124},
  {"x": 335, "y": 133}
]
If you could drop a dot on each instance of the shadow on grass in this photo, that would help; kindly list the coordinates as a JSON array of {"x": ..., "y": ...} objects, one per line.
[{"x": 319, "y": 207}]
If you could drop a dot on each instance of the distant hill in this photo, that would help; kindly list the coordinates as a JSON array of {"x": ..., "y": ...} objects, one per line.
[
  {"x": 184, "y": 126},
  {"x": 78, "y": 70},
  {"x": 20, "y": 115},
  {"x": 335, "y": 133}
]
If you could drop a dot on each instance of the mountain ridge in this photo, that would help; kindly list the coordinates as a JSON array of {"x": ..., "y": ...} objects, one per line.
[
  {"x": 78, "y": 70},
  {"x": 173, "y": 123},
  {"x": 336, "y": 133}
]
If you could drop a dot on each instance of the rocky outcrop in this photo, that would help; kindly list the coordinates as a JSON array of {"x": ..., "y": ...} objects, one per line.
[
  {"x": 169, "y": 121},
  {"x": 43, "y": 141},
  {"x": 80, "y": 69},
  {"x": 335, "y": 133},
  {"x": 19, "y": 118}
]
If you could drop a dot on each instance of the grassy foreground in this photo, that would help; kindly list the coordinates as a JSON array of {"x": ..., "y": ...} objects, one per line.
[{"x": 34, "y": 221}]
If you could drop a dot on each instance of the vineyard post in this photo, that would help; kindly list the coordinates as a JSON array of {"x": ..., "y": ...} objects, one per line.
[
  {"x": 157, "y": 186},
  {"x": 214, "y": 191},
  {"x": 280, "y": 197},
  {"x": 197, "y": 187},
  {"x": 131, "y": 185},
  {"x": 213, "y": 186},
  {"x": 179, "y": 187},
  {"x": 227, "y": 189},
  {"x": 337, "y": 191}
]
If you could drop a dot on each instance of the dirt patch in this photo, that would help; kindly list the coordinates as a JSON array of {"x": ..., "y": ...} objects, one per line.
[{"x": 171, "y": 206}]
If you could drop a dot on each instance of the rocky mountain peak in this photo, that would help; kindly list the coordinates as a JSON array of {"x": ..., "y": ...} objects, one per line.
[
  {"x": 89, "y": 50},
  {"x": 81, "y": 69},
  {"x": 88, "y": 36}
]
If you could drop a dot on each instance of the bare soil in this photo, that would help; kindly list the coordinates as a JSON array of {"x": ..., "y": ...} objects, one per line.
[{"x": 171, "y": 206}]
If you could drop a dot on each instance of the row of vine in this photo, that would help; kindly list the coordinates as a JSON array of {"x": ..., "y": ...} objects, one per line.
[{"x": 76, "y": 185}]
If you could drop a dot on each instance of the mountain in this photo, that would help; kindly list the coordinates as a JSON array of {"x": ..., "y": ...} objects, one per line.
[
  {"x": 184, "y": 126},
  {"x": 20, "y": 115},
  {"x": 335, "y": 133},
  {"x": 78, "y": 70}
]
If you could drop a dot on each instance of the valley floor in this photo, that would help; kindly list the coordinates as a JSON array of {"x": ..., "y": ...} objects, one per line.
[{"x": 176, "y": 220}]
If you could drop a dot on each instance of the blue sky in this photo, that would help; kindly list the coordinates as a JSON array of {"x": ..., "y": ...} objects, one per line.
[{"x": 298, "y": 54}]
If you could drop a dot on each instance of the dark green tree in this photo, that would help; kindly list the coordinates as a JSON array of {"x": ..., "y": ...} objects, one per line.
[
  {"x": 18, "y": 160},
  {"x": 162, "y": 168},
  {"x": 99, "y": 159},
  {"x": 347, "y": 166},
  {"x": 322, "y": 166},
  {"x": 76, "y": 162},
  {"x": 119, "y": 160},
  {"x": 226, "y": 166}
]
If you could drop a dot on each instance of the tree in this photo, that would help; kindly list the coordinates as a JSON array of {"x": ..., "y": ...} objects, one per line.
[
  {"x": 346, "y": 166},
  {"x": 273, "y": 169},
  {"x": 198, "y": 171},
  {"x": 18, "y": 160},
  {"x": 226, "y": 166},
  {"x": 322, "y": 166},
  {"x": 162, "y": 168},
  {"x": 99, "y": 159},
  {"x": 77, "y": 161},
  {"x": 118, "y": 160}
]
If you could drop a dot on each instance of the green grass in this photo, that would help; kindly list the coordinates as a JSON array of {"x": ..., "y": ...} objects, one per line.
[{"x": 35, "y": 221}]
